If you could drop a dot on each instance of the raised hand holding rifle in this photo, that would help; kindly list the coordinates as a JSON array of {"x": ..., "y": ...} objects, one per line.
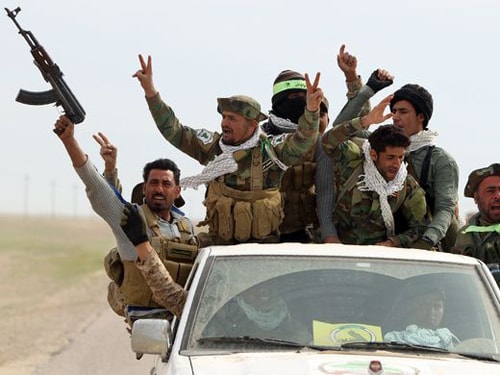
[{"x": 60, "y": 94}]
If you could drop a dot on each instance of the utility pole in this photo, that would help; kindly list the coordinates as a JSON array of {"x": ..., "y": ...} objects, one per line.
[
  {"x": 53, "y": 198},
  {"x": 75, "y": 187},
  {"x": 26, "y": 194}
]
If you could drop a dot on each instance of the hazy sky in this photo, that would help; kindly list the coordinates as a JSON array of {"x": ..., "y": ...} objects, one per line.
[{"x": 204, "y": 49}]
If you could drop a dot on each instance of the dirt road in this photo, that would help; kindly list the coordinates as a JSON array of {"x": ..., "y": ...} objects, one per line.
[
  {"x": 102, "y": 348},
  {"x": 55, "y": 316},
  {"x": 90, "y": 339}
]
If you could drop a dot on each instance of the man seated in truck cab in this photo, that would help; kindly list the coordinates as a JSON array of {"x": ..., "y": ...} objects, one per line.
[
  {"x": 424, "y": 309},
  {"x": 257, "y": 312}
]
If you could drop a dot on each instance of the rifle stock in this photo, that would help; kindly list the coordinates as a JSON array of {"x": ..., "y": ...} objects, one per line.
[{"x": 60, "y": 94}]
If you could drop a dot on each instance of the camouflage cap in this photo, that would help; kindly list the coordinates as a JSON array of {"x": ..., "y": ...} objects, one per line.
[
  {"x": 244, "y": 105},
  {"x": 479, "y": 175}
]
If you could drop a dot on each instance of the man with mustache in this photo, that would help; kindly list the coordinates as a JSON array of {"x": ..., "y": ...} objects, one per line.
[
  {"x": 170, "y": 233},
  {"x": 480, "y": 237},
  {"x": 243, "y": 166},
  {"x": 377, "y": 201}
]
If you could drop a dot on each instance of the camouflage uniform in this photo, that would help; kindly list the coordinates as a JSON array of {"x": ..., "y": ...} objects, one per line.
[
  {"x": 357, "y": 215},
  {"x": 358, "y": 104},
  {"x": 298, "y": 184},
  {"x": 480, "y": 238},
  {"x": 203, "y": 145},
  {"x": 165, "y": 290},
  {"x": 107, "y": 203}
]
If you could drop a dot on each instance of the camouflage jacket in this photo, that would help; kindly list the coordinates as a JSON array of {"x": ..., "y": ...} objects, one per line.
[
  {"x": 166, "y": 291},
  {"x": 298, "y": 184},
  {"x": 357, "y": 215},
  {"x": 480, "y": 240},
  {"x": 358, "y": 104},
  {"x": 203, "y": 145}
]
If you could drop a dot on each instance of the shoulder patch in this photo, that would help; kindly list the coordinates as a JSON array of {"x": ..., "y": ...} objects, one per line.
[
  {"x": 276, "y": 140},
  {"x": 205, "y": 136}
]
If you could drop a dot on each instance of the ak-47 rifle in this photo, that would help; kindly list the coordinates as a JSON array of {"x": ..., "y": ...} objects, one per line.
[{"x": 60, "y": 94}]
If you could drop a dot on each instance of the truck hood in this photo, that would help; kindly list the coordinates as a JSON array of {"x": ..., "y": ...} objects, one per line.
[{"x": 287, "y": 363}]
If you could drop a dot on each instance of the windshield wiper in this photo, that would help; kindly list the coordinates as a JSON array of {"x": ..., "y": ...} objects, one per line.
[
  {"x": 392, "y": 345},
  {"x": 482, "y": 357},
  {"x": 265, "y": 340},
  {"x": 250, "y": 339}
]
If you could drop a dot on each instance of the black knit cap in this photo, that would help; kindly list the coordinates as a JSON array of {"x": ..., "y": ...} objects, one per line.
[
  {"x": 287, "y": 82},
  {"x": 419, "y": 97}
]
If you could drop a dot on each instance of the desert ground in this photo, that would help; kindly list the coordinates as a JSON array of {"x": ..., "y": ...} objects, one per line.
[{"x": 51, "y": 284}]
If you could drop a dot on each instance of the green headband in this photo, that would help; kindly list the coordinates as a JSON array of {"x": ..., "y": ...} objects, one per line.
[
  {"x": 293, "y": 84},
  {"x": 482, "y": 229}
]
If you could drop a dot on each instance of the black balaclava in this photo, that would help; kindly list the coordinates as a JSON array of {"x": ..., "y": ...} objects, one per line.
[{"x": 288, "y": 82}]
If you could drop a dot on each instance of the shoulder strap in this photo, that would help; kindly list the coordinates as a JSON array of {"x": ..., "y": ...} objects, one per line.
[
  {"x": 349, "y": 184},
  {"x": 151, "y": 220},
  {"x": 401, "y": 197},
  {"x": 424, "y": 174},
  {"x": 256, "y": 172},
  {"x": 185, "y": 229}
]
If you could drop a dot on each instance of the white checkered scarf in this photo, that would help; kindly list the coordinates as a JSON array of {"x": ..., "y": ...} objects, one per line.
[
  {"x": 421, "y": 139},
  {"x": 224, "y": 163},
  {"x": 372, "y": 180}
]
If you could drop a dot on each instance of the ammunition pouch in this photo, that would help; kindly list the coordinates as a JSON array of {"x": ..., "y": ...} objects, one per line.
[
  {"x": 134, "y": 289},
  {"x": 299, "y": 198},
  {"x": 177, "y": 257},
  {"x": 269, "y": 214},
  {"x": 115, "y": 299},
  {"x": 241, "y": 216},
  {"x": 114, "y": 266}
]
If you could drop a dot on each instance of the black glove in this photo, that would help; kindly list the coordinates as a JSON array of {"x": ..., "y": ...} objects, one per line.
[
  {"x": 377, "y": 84},
  {"x": 424, "y": 243},
  {"x": 133, "y": 225}
]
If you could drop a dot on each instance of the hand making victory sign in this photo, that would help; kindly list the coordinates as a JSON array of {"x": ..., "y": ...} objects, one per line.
[
  {"x": 145, "y": 77},
  {"x": 314, "y": 94}
]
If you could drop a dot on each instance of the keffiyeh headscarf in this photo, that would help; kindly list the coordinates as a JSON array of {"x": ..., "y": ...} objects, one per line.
[
  {"x": 224, "y": 163},
  {"x": 438, "y": 338},
  {"x": 372, "y": 180},
  {"x": 421, "y": 139}
]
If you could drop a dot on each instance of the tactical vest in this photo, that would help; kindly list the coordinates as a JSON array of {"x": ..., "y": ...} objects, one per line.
[
  {"x": 299, "y": 195},
  {"x": 177, "y": 256},
  {"x": 242, "y": 216}
]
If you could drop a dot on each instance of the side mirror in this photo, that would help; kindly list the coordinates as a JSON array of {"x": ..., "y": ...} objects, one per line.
[{"x": 151, "y": 336}]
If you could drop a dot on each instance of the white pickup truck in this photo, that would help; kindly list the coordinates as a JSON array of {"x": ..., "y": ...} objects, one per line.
[{"x": 329, "y": 309}]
